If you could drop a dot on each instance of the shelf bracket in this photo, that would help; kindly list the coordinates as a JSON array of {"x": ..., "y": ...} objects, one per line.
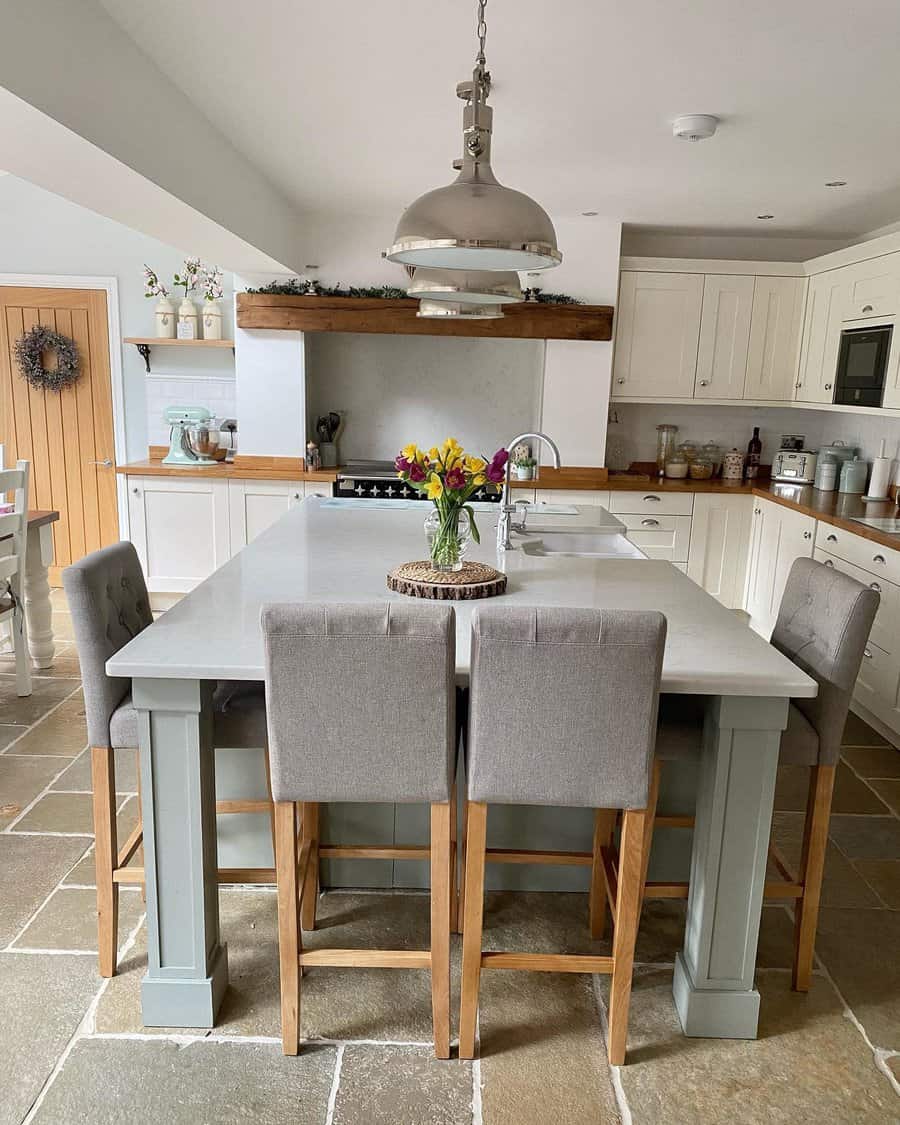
[{"x": 144, "y": 350}]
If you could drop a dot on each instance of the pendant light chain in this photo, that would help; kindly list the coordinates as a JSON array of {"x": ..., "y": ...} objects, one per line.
[{"x": 481, "y": 32}]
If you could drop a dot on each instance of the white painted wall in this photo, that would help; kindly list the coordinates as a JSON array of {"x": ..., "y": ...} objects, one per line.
[
  {"x": 397, "y": 389},
  {"x": 271, "y": 393},
  {"x": 41, "y": 233}
]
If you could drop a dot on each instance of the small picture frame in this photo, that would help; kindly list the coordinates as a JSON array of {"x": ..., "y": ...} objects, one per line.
[{"x": 187, "y": 330}]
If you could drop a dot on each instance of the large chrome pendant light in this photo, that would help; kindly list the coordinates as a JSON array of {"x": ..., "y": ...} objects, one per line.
[
  {"x": 456, "y": 310},
  {"x": 471, "y": 287},
  {"x": 475, "y": 223}
]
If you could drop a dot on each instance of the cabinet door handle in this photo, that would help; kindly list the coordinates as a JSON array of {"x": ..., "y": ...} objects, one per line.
[
  {"x": 828, "y": 386},
  {"x": 655, "y": 499},
  {"x": 798, "y": 386},
  {"x": 296, "y": 495},
  {"x": 704, "y": 382},
  {"x": 867, "y": 308},
  {"x": 828, "y": 562},
  {"x": 868, "y": 654},
  {"x": 136, "y": 491},
  {"x": 757, "y": 511},
  {"x": 875, "y": 586},
  {"x": 831, "y": 539},
  {"x": 650, "y": 523},
  {"x": 620, "y": 381},
  {"x": 880, "y": 559},
  {"x": 807, "y": 535}
]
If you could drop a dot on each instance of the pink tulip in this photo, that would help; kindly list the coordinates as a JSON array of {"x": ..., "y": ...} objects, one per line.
[
  {"x": 401, "y": 464},
  {"x": 455, "y": 479},
  {"x": 416, "y": 473}
]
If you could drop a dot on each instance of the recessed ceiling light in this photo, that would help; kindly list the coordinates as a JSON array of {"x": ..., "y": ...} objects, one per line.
[
  {"x": 765, "y": 216},
  {"x": 589, "y": 214},
  {"x": 836, "y": 183}
]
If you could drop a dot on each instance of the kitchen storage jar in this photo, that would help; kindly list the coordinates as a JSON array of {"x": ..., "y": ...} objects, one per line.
[
  {"x": 712, "y": 452},
  {"x": 701, "y": 469},
  {"x": 839, "y": 450},
  {"x": 733, "y": 466},
  {"x": 677, "y": 467},
  {"x": 689, "y": 450},
  {"x": 665, "y": 445},
  {"x": 853, "y": 476},
  {"x": 826, "y": 473}
]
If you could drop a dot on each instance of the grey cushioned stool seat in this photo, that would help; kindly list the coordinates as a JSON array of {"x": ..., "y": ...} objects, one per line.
[
  {"x": 823, "y": 624},
  {"x": 563, "y": 711},
  {"x": 109, "y": 603},
  {"x": 361, "y": 707}
]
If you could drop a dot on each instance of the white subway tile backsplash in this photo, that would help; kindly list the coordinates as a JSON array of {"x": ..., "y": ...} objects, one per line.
[{"x": 216, "y": 393}]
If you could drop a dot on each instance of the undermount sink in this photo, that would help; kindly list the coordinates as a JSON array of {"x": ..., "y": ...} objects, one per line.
[{"x": 582, "y": 544}]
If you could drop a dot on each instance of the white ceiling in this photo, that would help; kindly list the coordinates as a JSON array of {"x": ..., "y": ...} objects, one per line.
[{"x": 349, "y": 106}]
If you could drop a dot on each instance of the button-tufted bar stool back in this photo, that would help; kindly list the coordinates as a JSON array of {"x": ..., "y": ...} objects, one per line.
[
  {"x": 109, "y": 604},
  {"x": 361, "y": 706},
  {"x": 823, "y": 625},
  {"x": 563, "y": 707}
]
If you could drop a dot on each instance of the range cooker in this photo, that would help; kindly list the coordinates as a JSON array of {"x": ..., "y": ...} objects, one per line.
[{"x": 378, "y": 480}]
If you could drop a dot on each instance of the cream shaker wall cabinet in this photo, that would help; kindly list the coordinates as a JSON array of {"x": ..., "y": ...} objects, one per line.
[{"x": 724, "y": 336}]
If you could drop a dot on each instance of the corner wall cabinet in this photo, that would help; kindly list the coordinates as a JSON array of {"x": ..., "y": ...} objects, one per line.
[{"x": 826, "y": 301}]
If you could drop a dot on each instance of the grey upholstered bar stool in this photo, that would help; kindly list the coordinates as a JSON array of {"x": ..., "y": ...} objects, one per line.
[
  {"x": 823, "y": 625},
  {"x": 563, "y": 711},
  {"x": 109, "y": 604},
  {"x": 361, "y": 707}
]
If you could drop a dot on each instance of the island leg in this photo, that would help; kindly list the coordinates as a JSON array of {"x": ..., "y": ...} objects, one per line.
[
  {"x": 187, "y": 966},
  {"x": 714, "y": 973},
  {"x": 36, "y": 591}
]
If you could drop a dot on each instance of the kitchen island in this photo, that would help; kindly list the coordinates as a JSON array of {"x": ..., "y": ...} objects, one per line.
[{"x": 324, "y": 550}]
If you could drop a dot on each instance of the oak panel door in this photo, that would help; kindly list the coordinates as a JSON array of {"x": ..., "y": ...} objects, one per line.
[{"x": 67, "y": 435}]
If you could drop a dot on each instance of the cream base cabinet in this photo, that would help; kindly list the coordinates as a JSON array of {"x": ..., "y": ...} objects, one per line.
[
  {"x": 657, "y": 330},
  {"x": 772, "y": 360},
  {"x": 778, "y": 536},
  {"x": 826, "y": 302},
  {"x": 254, "y": 506},
  {"x": 720, "y": 545},
  {"x": 180, "y": 528}
]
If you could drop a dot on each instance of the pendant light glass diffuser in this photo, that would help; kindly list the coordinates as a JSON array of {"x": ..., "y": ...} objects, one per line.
[
  {"x": 475, "y": 223},
  {"x": 470, "y": 287},
  {"x": 454, "y": 310}
]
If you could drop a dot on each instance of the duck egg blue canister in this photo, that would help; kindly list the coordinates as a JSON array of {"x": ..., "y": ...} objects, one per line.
[
  {"x": 826, "y": 473},
  {"x": 853, "y": 476}
]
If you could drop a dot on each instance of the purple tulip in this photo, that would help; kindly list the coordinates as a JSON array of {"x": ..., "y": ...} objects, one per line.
[
  {"x": 416, "y": 473},
  {"x": 401, "y": 464},
  {"x": 455, "y": 479}
]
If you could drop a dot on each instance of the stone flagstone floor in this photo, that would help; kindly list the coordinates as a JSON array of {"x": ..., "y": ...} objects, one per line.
[{"x": 72, "y": 1047}]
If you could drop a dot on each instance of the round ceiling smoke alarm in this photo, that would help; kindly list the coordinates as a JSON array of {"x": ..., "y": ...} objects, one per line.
[{"x": 694, "y": 126}]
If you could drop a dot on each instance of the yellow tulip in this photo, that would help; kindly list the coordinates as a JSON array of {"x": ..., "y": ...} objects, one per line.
[{"x": 434, "y": 487}]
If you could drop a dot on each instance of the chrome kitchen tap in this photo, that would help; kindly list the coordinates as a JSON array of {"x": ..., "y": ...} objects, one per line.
[{"x": 504, "y": 524}]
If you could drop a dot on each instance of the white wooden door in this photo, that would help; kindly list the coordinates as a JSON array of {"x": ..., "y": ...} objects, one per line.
[
  {"x": 255, "y": 505},
  {"x": 724, "y": 336},
  {"x": 720, "y": 543},
  {"x": 657, "y": 330},
  {"x": 825, "y": 304},
  {"x": 774, "y": 338},
  {"x": 779, "y": 536},
  {"x": 179, "y": 526},
  {"x": 874, "y": 287}
]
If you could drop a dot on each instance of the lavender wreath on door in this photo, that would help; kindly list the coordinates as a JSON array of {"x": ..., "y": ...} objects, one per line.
[{"x": 31, "y": 350}]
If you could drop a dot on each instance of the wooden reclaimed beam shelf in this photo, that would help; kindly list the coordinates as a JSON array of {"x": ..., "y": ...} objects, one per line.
[{"x": 529, "y": 320}]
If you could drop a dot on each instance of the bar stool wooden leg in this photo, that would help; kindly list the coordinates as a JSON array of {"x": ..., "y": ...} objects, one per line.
[
  {"x": 454, "y": 863},
  {"x": 309, "y": 812},
  {"x": 628, "y": 908},
  {"x": 812, "y": 866},
  {"x": 440, "y": 926},
  {"x": 461, "y": 908},
  {"x": 271, "y": 802},
  {"x": 649, "y": 818},
  {"x": 604, "y": 823},
  {"x": 103, "y": 774},
  {"x": 476, "y": 841},
  {"x": 288, "y": 929}
]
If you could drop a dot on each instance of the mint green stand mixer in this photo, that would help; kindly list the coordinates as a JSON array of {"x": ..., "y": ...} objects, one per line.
[{"x": 189, "y": 426}]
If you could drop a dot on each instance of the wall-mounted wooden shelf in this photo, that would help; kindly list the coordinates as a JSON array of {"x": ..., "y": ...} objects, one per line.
[
  {"x": 145, "y": 343},
  {"x": 529, "y": 320}
]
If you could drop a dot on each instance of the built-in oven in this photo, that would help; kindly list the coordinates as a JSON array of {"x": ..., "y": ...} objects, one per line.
[{"x": 862, "y": 365}]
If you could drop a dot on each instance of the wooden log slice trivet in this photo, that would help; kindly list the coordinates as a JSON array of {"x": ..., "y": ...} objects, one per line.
[{"x": 421, "y": 580}]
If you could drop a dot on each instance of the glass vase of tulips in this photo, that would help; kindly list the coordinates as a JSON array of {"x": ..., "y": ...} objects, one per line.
[{"x": 449, "y": 477}]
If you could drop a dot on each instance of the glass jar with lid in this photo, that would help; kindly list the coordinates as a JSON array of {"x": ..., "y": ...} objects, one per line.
[
  {"x": 700, "y": 469},
  {"x": 677, "y": 466},
  {"x": 689, "y": 450},
  {"x": 665, "y": 445},
  {"x": 712, "y": 452}
]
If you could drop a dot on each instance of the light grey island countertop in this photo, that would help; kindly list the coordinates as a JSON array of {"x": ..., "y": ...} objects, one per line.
[{"x": 322, "y": 551}]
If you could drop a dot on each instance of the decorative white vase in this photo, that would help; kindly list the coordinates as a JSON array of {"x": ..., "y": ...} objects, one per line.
[
  {"x": 165, "y": 319},
  {"x": 212, "y": 320},
  {"x": 187, "y": 321},
  {"x": 524, "y": 472}
]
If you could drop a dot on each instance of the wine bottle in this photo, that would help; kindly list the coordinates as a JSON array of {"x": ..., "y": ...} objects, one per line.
[{"x": 754, "y": 452}]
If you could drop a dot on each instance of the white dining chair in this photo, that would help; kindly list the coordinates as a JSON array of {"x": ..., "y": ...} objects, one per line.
[{"x": 14, "y": 526}]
